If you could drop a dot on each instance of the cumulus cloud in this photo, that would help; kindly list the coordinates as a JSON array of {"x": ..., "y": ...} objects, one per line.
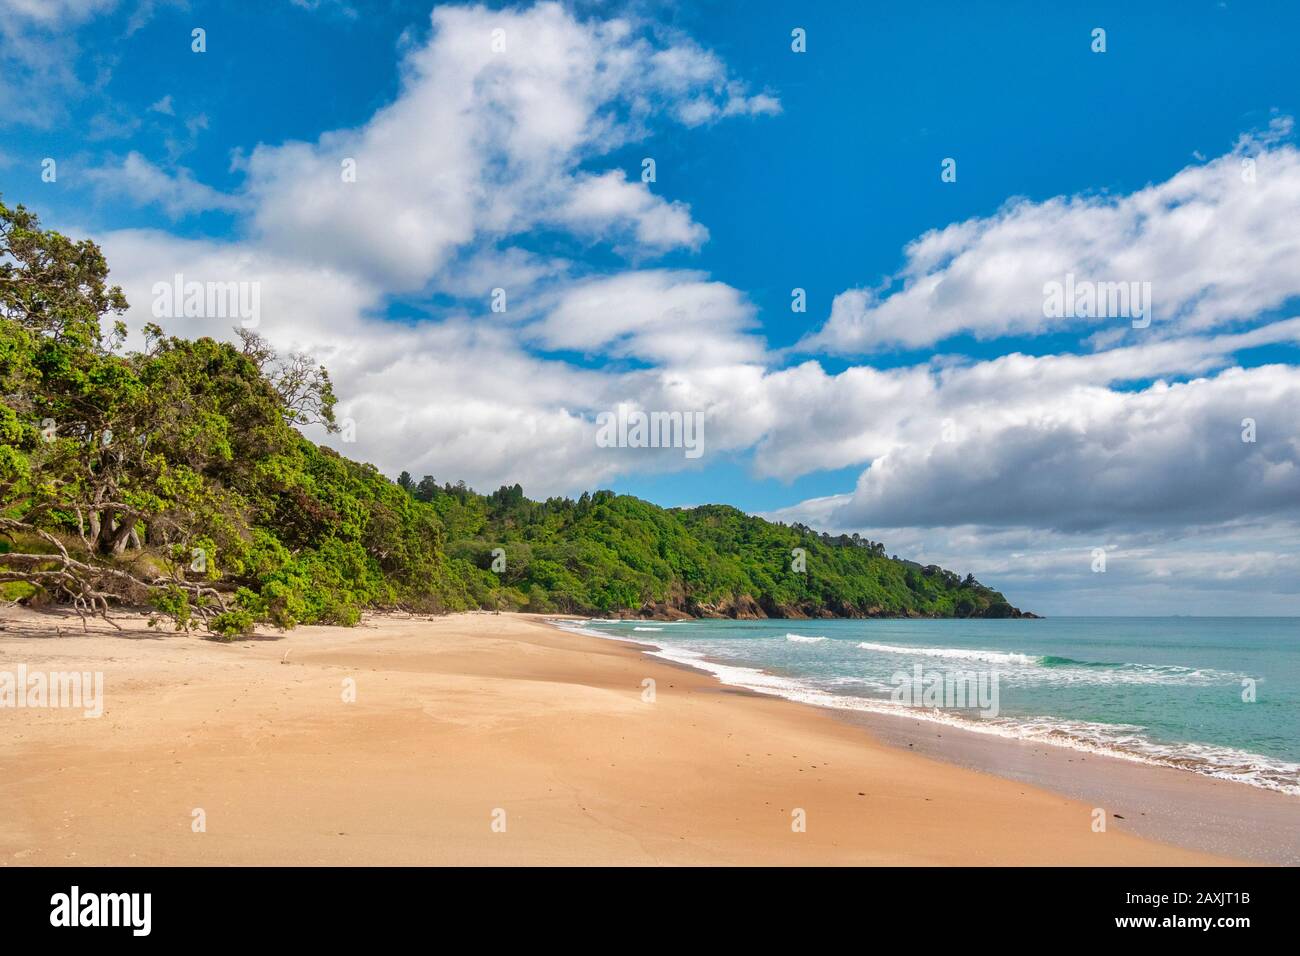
[
  {"x": 464, "y": 397},
  {"x": 178, "y": 193},
  {"x": 813, "y": 420},
  {"x": 1089, "y": 457},
  {"x": 481, "y": 145},
  {"x": 669, "y": 317},
  {"x": 496, "y": 115},
  {"x": 610, "y": 202},
  {"x": 1215, "y": 242},
  {"x": 459, "y": 398}
]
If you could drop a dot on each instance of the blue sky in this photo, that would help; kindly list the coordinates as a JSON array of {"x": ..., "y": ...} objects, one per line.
[{"x": 921, "y": 399}]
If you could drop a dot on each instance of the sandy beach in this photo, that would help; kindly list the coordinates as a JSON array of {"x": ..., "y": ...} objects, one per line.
[{"x": 485, "y": 739}]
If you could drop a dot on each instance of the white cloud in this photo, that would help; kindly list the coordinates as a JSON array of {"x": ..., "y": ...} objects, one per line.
[
  {"x": 1216, "y": 243},
  {"x": 813, "y": 420},
  {"x": 39, "y": 53},
  {"x": 37, "y": 57},
  {"x": 1088, "y": 458},
  {"x": 667, "y": 317},
  {"x": 482, "y": 144},
  {"x": 477, "y": 147},
  {"x": 54, "y": 12},
  {"x": 143, "y": 183},
  {"x": 609, "y": 201},
  {"x": 685, "y": 67}
]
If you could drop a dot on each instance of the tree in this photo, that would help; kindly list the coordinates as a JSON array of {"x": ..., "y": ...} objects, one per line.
[
  {"x": 427, "y": 489},
  {"x": 305, "y": 390},
  {"x": 74, "y": 417},
  {"x": 105, "y": 452}
]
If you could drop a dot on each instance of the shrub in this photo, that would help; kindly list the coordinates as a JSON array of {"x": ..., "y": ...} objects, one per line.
[{"x": 230, "y": 625}]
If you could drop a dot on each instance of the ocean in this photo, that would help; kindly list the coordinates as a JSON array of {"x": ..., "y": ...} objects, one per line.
[{"x": 1216, "y": 696}]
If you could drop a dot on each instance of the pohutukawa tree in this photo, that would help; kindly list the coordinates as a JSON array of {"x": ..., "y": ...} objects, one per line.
[{"x": 124, "y": 476}]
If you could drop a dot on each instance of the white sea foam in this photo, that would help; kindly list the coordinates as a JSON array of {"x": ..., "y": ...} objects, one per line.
[
  {"x": 800, "y": 639},
  {"x": 959, "y": 653},
  {"x": 581, "y": 627},
  {"x": 647, "y": 628},
  {"x": 1123, "y": 741},
  {"x": 1031, "y": 668}
]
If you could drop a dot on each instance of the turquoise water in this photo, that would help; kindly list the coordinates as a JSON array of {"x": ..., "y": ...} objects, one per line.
[{"x": 1158, "y": 690}]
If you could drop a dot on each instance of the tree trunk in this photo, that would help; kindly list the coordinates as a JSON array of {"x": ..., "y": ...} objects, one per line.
[{"x": 121, "y": 534}]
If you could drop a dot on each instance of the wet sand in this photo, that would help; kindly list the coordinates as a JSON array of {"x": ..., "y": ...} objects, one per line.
[{"x": 1174, "y": 806}]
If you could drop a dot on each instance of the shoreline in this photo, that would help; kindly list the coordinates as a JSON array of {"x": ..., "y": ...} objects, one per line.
[
  {"x": 1171, "y": 805},
  {"x": 795, "y": 689},
  {"x": 1181, "y": 807},
  {"x": 668, "y": 614},
  {"x": 458, "y": 717}
]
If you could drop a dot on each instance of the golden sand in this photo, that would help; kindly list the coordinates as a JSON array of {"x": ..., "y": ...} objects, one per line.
[{"x": 478, "y": 739}]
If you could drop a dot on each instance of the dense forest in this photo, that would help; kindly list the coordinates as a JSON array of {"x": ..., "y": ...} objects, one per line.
[{"x": 174, "y": 477}]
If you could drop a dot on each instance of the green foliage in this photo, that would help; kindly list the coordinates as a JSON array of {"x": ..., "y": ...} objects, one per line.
[
  {"x": 17, "y": 591},
  {"x": 607, "y": 554},
  {"x": 229, "y": 625},
  {"x": 174, "y": 603}
]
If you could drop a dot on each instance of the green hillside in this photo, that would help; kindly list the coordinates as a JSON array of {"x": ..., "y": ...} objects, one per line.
[{"x": 610, "y": 554}]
